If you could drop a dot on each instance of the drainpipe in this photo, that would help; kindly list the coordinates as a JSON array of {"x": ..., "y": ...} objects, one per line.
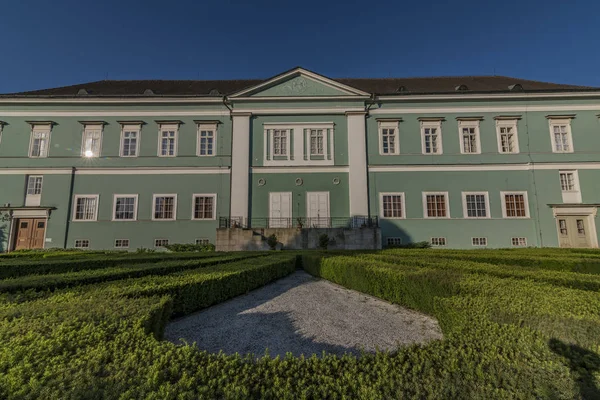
[{"x": 69, "y": 207}]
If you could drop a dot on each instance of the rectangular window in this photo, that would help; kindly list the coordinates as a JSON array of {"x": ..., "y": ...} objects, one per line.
[
  {"x": 92, "y": 137},
  {"x": 317, "y": 139},
  {"x": 431, "y": 137},
  {"x": 125, "y": 207},
  {"x": 206, "y": 140},
  {"x": 567, "y": 182},
  {"x": 122, "y": 243},
  {"x": 560, "y": 132},
  {"x": 436, "y": 205},
  {"x": 438, "y": 241},
  {"x": 508, "y": 142},
  {"x": 164, "y": 207},
  {"x": 202, "y": 242},
  {"x": 204, "y": 206},
  {"x": 514, "y": 205},
  {"x": 86, "y": 208},
  {"x": 519, "y": 242},
  {"x": 280, "y": 142},
  {"x": 392, "y": 205},
  {"x": 394, "y": 241},
  {"x": 130, "y": 140},
  {"x": 479, "y": 241},
  {"x": 562, "y": 226},
  {"x": 388, "y": 134},
  {"x": 34, "y": 185},
  {"x": 475, "y": 205},
  {"x": 40, "y": 139},
  {"x": 161, "y": 242},
  {"x": 82, "y": 244},
  {"x": 469, "y": 136},
  {"x": 580, "y": 227},
  {"x": 167, "y": 141}
]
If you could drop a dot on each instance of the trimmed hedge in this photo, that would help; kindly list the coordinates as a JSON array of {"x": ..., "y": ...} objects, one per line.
[
  {"x": 39, "y": 267},
  {"x": 86, "y": 277}
]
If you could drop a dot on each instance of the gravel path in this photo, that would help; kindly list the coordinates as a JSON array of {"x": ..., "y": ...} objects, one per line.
[{"x": 303, "y": 315}]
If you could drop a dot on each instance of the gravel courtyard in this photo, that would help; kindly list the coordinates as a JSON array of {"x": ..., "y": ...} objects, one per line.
[{"x": 303, "y": 315}]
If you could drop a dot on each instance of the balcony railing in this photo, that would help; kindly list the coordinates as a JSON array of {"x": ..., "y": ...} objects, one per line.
[{"x": 300, "y": 222}]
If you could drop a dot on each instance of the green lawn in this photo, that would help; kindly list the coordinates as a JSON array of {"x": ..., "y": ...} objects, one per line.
[{"x": 518, "y": 324}]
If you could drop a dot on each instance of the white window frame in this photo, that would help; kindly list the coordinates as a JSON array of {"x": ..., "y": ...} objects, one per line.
[
  {"x": 402, "y": 211},
  {"x": 122, "y": 247},
  {"x": 507, "y": 123},
  {"x": 518, "y": 239},
  {"x": 575, "y": 173},
  {"x": 429, "y": 125},
  {"x": 480, "y": 238},
  {"x": 487, "y": 205},
  {"x": 81, "y": 247},
  {"x": 469, "y": 124},
  {"x": 208, "y": 128},
  {"x": 88, "y": 128},
  {"x": 130, "y": 128},
  {"x": 167, "y": 127},
  {"x": 40, "y": 128},
  {"x": 309, "y": 144},
  {"x": 207, "y": 240},
  {"x": 214, "y": 211},
  {"x": 298, "y": 136},
  {"x": 154, "y": 196},
  {"x": 438, "y": 238},
  {"x": 389, "y": 125},
  {"x": 447, "y": 200},
  {"x": 525, "y": 199},
  {"x": 135, "y": 207},
  {"x": 552, "y": 122},
  {"x": 29, "y": 177},
  {"x": 79, "y": 196},
  {"x": 156, "y": 240}
]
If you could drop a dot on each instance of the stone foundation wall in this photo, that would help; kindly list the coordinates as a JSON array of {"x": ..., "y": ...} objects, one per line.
[{"x": 237, "y": 239}]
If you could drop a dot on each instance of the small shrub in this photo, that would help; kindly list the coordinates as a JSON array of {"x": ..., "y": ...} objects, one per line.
[
  {"x": 140, "y": 250},
  {"x": 272, "y": 241},
  {"x": 415, "y": 245},
  {"x": 324, "y": 241},
  {"x": 189, "y": 247}
]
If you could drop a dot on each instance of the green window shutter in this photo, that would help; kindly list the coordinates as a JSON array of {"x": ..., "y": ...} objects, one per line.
[
  {"x": 268, "y": 139},
  {"x": 329, "y": 144},
  {"x": 306, "y": 150},
  {"x": 291, "y": 144}
]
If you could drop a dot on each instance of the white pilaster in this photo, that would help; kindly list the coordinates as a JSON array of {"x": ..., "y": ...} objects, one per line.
[
  {"x": 240, "y": 165},
  {"x": 357, "y": 159}
]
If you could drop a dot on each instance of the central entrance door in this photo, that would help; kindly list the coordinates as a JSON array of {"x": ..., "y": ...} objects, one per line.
[
  {"x": 317, "y": 209},
  {"x": 280, "y": 210},
  {"x": 30, "y": 233},
  {"x": 574, "y": 231}
]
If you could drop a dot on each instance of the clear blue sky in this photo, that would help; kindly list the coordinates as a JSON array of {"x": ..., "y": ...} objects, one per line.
[{"x": 61, "y": 42}]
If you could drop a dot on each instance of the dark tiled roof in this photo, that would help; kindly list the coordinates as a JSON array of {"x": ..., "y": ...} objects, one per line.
[{"x": 219, "y": 88}]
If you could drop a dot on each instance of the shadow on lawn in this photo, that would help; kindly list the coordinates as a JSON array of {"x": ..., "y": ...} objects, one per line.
[{"x": 583, "y": 364}]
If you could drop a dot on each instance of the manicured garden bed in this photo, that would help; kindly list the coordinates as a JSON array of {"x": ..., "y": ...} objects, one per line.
[{"x": 516, "y": 324}]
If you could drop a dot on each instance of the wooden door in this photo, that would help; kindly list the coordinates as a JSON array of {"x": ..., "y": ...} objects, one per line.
[
  {"x": 38, "y": 235},
  {"x": 24, "y": 230},
  {"x": 30, "y": 234}
]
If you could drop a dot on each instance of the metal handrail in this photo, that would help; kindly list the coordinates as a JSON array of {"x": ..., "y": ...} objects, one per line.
[{"x": 300, "y": 222}]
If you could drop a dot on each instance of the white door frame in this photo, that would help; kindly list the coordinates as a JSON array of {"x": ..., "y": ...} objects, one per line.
[
  {"x": 270, "y": 210},
  {"x": 327, "y": 225},
  {"x": 587, "y": 212}
]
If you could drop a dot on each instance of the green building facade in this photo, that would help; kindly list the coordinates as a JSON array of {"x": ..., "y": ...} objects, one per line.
[{"x": 460, "y": 162}]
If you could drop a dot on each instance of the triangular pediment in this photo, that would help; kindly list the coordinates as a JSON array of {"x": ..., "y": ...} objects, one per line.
[{"x": 300, "y": 83}]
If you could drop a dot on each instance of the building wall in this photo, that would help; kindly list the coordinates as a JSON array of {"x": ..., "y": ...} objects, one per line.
[{"x": 535, "y": 169}]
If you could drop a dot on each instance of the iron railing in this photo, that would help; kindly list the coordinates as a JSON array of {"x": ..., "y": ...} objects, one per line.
[{"x": 300, "y": 222}]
